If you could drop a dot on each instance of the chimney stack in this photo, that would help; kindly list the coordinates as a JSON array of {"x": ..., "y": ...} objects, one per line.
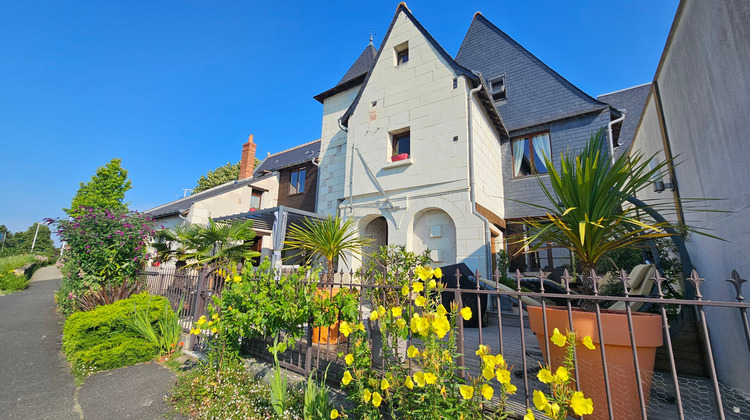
[{"x": 247, "y": 164}]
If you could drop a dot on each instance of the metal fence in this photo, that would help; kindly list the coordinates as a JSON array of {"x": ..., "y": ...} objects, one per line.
[{"x": 656, "y": 382}]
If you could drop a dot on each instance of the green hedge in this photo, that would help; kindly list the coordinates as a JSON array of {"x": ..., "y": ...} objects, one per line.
[{"x": 100, "y": 339}]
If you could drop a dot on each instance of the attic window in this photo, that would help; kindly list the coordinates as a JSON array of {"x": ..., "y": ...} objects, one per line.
[
  {"x": 401, "y": 53},
  {"x": 400, "y": 145},
  {"x": 497, "y": 86}
]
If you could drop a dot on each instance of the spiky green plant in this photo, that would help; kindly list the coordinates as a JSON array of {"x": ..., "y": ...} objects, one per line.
[
  {"x": 216, "y": 243},
  {"x": 329, "y": 238},
  {"x": 588, "y": 211}
]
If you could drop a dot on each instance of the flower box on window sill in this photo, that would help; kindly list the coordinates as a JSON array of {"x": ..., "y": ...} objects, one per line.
[
  {"x": 402, "y": 156},
  {"x": 253, "y": 209}
]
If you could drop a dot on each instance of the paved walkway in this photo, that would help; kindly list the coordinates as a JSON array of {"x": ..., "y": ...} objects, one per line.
[{"x": 35, "y": 379}]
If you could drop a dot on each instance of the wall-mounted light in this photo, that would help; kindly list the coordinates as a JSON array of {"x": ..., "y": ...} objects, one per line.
[{"x": 657, "y": 178}]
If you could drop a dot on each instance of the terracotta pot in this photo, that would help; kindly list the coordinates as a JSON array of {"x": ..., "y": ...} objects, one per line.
[
  {"x": 620, "y": 365},
  {"x": 329, "y": 334}
]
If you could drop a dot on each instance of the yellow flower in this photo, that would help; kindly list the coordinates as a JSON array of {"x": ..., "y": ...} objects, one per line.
[
  {"x": 349, "y": 359},
  {"x": 417, "y": 287},
  {"x": 447, "y": 355},
  {"x": 195, "y": 331},
  {"x": 424, "y": 273},
  {"x": 489, "y": 360},
  {"x": 412, "y": 351},
  {"x": 347, "y": 378},
  {"x": 419, "y": 378},
  {"x": 360, "y": 326},
  {"x": 466, "y": 313},
  {"x": 215, "y": 316},
  {"x": 384, "y": 384},
  {"x": 552, "y": 409},
  {"x": 210, "y": 323},
  {"x": 511, "y": 389},
  {"x": 214, "y": 330},
  {"x": 400, "y": 323},
  {"x": 237, "y": 279},
  {"x": 367, "y": 395},
  {"x": 483, "y": 350},
  {"x": 441, "y": 310},
  {"x": 442, "y": 326},
  {"x": 429, "y": 378},
  {"x": 409, "y": 383},
  {"x": 372, "y": 382},
  {"x": 540, "y": 400},
  {"x": 466, "y": 391},
  {"x": 443, "y": 392},
  {"x": 420, "y": 301},
  {"x": 487, "y": 392},
  {"x": 581, "y": 405},
  {"x": 334, "y": 414},
  {"x": 562, "y": 374},
  {"x": 373, "y": 316},
  {"x": 381, "y": 310},
  {"x": 503, "y": 376},
  {"x": 396, "y": 312},
  {"x": 345, "y": 328},
  {"x": 432, "y": 283},
  {"x": 488, "y": 372},
  {"x": 405, "y": 290},
  {"x": 499, "y": 361},
  {"x": 529, "y": 415},
  {"x": 201, "y": 320},
  {"x": 545, "y": 376},
  {"x": 376, "y": 399},
  {"x": 558, "y": 338},
  {"x": 230, "y": 307},
  {"x": 438, "y": 273},
  {"x": 588, "y": 343}
]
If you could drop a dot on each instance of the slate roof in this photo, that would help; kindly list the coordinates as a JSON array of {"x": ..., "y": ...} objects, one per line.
[
  {"x": 183, "y": 204},
  {"x": 632, "y": 101},
  {"x": 459, "y": 70},
  {"x": 354, "y": 76},
  {"x": 535, "y": 93},
  {"x": 290, "y": 157}
]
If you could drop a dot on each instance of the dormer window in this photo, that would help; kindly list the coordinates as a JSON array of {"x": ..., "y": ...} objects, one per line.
[
  {"x": 401, "y": 53},
  {"x": 497, "y": 86}
]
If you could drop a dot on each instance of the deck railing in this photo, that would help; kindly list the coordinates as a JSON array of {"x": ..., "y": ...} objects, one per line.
[{"x": 682, "y": 383}]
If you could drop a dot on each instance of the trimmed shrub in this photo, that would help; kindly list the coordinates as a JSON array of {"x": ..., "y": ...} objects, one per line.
[
  {"x": 11, "y": 282},
  {"x": 101, "y": 339}
]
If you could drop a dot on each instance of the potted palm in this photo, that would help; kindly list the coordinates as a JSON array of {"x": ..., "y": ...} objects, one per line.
[
  {"x": 589, "y": 214},
  {"x": 330, "y": 238}
]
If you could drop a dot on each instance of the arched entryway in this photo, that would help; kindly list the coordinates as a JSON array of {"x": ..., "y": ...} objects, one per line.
[
  {"x": 434, "y": 230},
  {"x": 375, "y": 228}
]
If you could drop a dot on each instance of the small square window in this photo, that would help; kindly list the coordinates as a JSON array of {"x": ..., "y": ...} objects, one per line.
[
  {"x": 400, "y": 146},
  {"x": 401, "y": 53},
  {"x": 297, "y": 182},
  {"x": 497, "y": 86}
]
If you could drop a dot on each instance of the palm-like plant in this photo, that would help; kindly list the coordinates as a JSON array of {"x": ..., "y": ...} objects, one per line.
[
  {"x": 329, "y": 238},
  {"x": 174, "y": 243},
  {"x": 212, "y": 244},
  {"x": 589, "y": 213}
]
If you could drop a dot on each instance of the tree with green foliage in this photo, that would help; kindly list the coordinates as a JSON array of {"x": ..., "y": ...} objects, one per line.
[
  {"x": 220, "y": 175},
  {"x": 43, "y": 245},
  {"x": 105, "y": 190}
]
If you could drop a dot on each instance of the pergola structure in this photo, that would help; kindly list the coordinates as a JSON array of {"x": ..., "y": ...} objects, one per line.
[{"x": 274, "y": 220}]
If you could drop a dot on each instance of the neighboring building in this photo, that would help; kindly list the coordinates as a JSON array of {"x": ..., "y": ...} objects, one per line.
[
  {"x": 298, "y": 175},
  {"x": 697, "y": 113},
  {"x": 435, "y": 152},
  {"x": 630, "y": 102}
]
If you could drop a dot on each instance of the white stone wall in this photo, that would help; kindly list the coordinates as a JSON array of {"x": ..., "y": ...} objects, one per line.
[
  {"x": 331, "y": 172},
  {"x": 488, "y": 174}
]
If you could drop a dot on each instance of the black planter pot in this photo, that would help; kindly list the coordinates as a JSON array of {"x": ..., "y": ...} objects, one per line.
[{"x": 466, "y": 281}]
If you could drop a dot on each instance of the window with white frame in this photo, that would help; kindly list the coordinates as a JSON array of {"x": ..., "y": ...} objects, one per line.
[{"x": 529, "y": 154}]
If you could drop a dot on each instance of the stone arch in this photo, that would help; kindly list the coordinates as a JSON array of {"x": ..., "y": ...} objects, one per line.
[
  {"x": 433, "y": 228},
  {"x": 374, "y": 227}
]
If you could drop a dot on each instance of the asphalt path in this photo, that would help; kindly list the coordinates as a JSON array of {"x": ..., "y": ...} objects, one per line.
[{"x": 35, "y": 379}]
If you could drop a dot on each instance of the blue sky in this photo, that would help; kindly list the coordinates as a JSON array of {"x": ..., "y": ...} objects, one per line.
[{"x": 174, "y": 87}]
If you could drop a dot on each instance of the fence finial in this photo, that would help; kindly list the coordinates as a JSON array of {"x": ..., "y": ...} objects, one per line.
[
  {"x": 624, "y": 279},
  {"x": 737, "y": 281},
  {"x": 658, "y": 279},
  {"x": 696, "y": 280},
  {"x": 518, "y": 277}
]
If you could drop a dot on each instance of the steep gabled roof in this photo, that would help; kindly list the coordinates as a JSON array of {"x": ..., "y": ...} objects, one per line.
[
  {"x": 535, "y": 93},
  {"x": 632, "y": 101},
  {"x": 290, "y": 157},
  {"x": 459, "y": 70},
  {"x": 183, "y": 204},
  {"x": 354, "y": 76}
]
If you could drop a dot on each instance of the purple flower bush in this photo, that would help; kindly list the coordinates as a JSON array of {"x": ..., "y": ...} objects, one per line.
[{"x": 103, "y": 248}]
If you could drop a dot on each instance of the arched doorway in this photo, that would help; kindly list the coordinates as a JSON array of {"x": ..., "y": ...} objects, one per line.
[
  {"x": 377, "y": 230},
  {"x": 434, "y": 230}
]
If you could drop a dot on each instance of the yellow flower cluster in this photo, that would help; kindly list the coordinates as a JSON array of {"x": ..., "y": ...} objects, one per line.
[
  {"x": 347, "y": 328},
  {"x": 580, "y": 405}
]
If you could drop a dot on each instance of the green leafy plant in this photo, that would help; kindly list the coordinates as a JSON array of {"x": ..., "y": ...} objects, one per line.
[
  {"x": 165, "y": 334},
  {"x": 330, "y": 238},
  {"x": 389, "y": 266},
  {"x": 588, "y": 211},
  {"x": 317, "y": 399},
  {"x": 279, "y": 381},
  {"x": 101, "y": 339},
  {"x": 106, "y": 189},
  {"x": 215, "y": 244}
]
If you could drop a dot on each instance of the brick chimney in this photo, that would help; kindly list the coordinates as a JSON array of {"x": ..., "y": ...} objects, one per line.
[{"x": 247, "y": 164}]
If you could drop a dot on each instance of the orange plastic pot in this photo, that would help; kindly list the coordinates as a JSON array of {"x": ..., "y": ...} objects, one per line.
[
  {"x": 329, "y": 334},
  {"x": 620, "y": 363}
]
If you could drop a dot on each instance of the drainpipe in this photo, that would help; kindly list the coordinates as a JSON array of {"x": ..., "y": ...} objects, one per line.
[
  {"x": 609, "y": 131},
  {"x": 487, "y": 237}
]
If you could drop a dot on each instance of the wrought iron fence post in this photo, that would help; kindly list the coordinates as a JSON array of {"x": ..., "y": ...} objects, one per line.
[
  {"x": 198, "y": 305},
  {"x": 460, "y": 325}
]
